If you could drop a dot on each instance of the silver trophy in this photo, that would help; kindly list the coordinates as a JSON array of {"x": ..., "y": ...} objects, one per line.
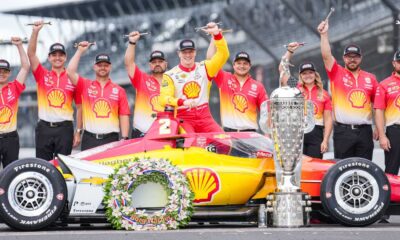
[{"x": 289, "y": 117}]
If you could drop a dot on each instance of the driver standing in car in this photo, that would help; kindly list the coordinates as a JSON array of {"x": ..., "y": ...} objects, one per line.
[{"x": 187, "y": 86}]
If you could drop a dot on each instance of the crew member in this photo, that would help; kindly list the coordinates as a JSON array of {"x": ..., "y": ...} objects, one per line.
[
  {"x": 9, "y": 94},
  {"x": 147, "y": 86},
  {"x": 55, "y": 93},
  {"x": 104, "y": 103},
  {"x": 353, "y": 92},
  {"x": 387, "y": 113},
  {"x": 310, "y": 84}
]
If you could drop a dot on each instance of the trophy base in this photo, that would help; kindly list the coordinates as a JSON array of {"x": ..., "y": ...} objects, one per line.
[{"x": 288, "y": 209}]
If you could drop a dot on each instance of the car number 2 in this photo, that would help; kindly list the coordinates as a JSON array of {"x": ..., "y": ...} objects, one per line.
[{"x": 165, "y": 126}]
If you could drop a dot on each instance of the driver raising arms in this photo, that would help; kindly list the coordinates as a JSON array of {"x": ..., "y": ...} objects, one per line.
[{"x": 187, "y": 85}]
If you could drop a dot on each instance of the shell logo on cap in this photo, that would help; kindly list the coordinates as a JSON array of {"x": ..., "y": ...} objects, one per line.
[
  {"x": 243, "y": 55},
  {"x": 58, "y": 47},
  {"x": 5, "y": 114},
  {"x": 397, "y": 102},
  {"x": 155, "y": 104},
  {"x": 56, "y": 98},
  {"x": 357, "y": 98},
  {"x": 204, "y": 183},
  {"x": 240, "y": 102},
  {"x": 102, "y": 108},
  {"x": 307, "y": 66},
  {"x": 191, "y": 90}
]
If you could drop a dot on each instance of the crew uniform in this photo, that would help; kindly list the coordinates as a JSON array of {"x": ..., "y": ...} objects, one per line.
[
  {"x": 352, "y": 107},
  {"x": 238, "y": 104},
  {"x": 321, "y": 102},
  {"x": 54, "y": 131},
  {"x": 147, "y": 98},
  {"x": 9, "y": 139},
  {"x": 387, "y": 98},
  {"x": 181, "y": 83},
  {"x": 101, "y": 108}
]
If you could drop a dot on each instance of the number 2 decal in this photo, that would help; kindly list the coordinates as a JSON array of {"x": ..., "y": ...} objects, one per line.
[{"x": 165, "y": 126}]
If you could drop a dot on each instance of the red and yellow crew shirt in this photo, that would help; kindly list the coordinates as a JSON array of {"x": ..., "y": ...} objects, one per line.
[
  {"x": 387, "y": 98},
  {"x": 239, "y": 105},
  {"x": 181, "y": 83},
  {"x": 55, "y": 95},
  {"x": 102, "y": 106},
  {"x": 352, "y": 98},
  {"x": 321, "y": 102},
  {"x": 147, "y": 99},
  {"x": 9, "y": 95}
]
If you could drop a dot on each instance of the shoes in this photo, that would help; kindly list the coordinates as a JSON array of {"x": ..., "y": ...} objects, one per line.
[{"x": 86, "y": 225}]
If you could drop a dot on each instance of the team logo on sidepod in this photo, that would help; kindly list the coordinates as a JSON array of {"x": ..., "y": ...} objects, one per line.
[{"x": 204, "y": 183}]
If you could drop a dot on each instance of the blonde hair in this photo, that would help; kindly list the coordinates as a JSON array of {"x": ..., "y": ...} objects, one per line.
[{"x": 318, "y": 83}]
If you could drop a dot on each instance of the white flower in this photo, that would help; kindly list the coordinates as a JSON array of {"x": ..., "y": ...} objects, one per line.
[
  {"x": 126, "y": 179},
  {"x": 116, "y": 193},
  {"x": 116, "y": 212},
  {"x": 114, "y": 182},
  {"x": 122, "y": 171}
]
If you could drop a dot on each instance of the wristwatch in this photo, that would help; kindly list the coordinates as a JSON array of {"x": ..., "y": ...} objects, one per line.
[
  {"x": 79, "y": 130},
  {"x": 125, "y": 138}
]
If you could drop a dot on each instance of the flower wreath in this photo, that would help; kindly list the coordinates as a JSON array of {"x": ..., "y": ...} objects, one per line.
[{"x": 125, "y": 179}]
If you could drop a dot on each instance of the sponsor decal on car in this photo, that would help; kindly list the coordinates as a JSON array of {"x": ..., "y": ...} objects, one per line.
[
  {"x": 60, "y": 196},
  {"x": 31, "y": 165},
  {"x": 204, "y": 182}
]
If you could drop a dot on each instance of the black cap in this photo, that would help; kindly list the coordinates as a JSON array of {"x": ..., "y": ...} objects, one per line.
[
  {"x": 57, "y": 47},
  {"x": 156, "y": 55},
  {"x": 4, "y": 64},
  {"x": 352, "y": 48},
  {"x": 186, "y": 44},
  {"x": 102, "y": 58},
  {"x": 242, "y": 55},
  {"x": 396, "y": 56},
  {"x": 307, "y": 66}
]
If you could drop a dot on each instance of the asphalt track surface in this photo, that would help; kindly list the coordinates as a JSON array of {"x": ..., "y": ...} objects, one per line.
[{"x": 221, "y": 231}]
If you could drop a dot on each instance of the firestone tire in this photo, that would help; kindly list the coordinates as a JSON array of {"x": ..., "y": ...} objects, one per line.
[
  {"x": 33, "y": 194},
  {"x": 355, "y": 192}
]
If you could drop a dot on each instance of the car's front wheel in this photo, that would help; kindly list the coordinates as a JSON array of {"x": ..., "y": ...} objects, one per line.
[
  {"x": 355, "y": 192},
  {"x": 32, "y": 194}
]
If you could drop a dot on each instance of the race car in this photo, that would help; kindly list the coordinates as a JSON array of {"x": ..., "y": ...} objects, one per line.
[{"x": 229, "y": 174}]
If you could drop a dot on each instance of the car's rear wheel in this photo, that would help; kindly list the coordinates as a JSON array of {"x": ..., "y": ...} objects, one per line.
[
  {"x": 32, "y": 194},
  {"x": 355, "y": 192}
]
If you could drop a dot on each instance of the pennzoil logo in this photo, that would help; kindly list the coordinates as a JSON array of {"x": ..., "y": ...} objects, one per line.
[
  {"x": 191, "y": 90},
  {"x": 357, "y": 98},
  {"x": 204, "y": 183},
  {"x": 102, "y": 108},
  {"x": 155, "y": 104},
  {"x": 397, "y": 102},
  {"x": 240, "y": 102},
  {"x": 56, "y": 98},
  {"x": 5, "y": 114}
]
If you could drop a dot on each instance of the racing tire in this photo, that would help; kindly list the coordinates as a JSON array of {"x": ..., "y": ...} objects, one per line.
[
  {"x": 33, "y": 194},
  {"x": 355, "y": 192}
]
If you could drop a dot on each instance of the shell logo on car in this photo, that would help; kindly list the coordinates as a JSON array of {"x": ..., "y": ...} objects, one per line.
[
  {"x": 240, "y": 102},
  {"x": 102, "y": 108},
  {"x": 5, "y": 114},
  {"x": 357, "y": 98},
  {"x": 191, "y": 90},
  {"x": 56, "y": 98},
  {"x": 204, "y": 183}
]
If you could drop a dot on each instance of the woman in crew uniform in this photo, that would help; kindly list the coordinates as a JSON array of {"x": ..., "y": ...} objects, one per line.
[{"x": 310, "y": 84}]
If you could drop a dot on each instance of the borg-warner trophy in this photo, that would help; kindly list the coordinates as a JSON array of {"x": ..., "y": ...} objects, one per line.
[{"x": 289, "y": 117}]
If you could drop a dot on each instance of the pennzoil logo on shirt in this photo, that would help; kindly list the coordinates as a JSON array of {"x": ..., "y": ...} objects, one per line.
[
  {"x": 48, "y": 80},
  {"x": 368, "y": 80}
]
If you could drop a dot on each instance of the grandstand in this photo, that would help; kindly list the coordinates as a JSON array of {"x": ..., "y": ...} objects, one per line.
[{"x": 259, "y": 27}]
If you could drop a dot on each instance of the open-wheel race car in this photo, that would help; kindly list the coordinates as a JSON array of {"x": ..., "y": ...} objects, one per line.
[{"x": 165, "y": 178}]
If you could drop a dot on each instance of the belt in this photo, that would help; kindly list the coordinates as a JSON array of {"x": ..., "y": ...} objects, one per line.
[
  {"x": 56, "y": 124},
  {"x": 9, "y": 134},
  {"x": 226, "y": 129},
  {"x": 395, "y": 126},
  {"x": 319, "y": 126},
  {"x": 352, "y": 126},
  {"x": 101, "y": 135}
]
